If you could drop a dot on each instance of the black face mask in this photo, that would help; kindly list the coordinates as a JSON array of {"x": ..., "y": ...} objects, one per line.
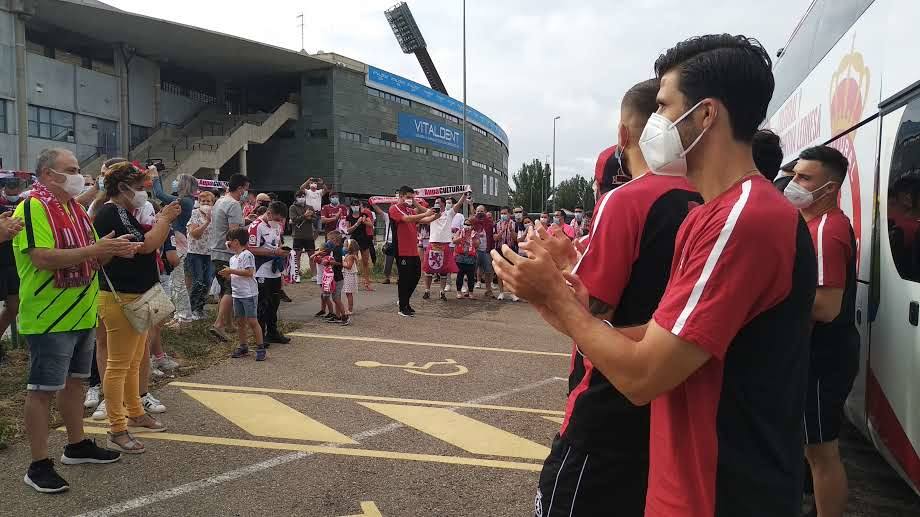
[{"x": 480, "y": 216}]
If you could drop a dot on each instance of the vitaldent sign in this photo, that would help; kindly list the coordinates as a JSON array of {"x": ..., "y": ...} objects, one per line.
[{"x": 429, "y": 131}]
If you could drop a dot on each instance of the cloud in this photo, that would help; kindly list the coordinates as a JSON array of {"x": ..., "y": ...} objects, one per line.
[{"x": 527, "y": 60}]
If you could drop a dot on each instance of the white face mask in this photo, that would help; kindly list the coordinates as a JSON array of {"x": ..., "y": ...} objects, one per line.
[
  {"x": 175, "y": 185},
  {"x": 410, "y": 201},
  {"x": 448, "y": 205},
  {"x": 205, "y": 209},
  {"x": 301, "y": 201},
  {"x": 139, "y": 199},
  {"x": 800, "y": 197},
  {"x": 661, "y": 146},
  {"x": 73, "y": 183}
]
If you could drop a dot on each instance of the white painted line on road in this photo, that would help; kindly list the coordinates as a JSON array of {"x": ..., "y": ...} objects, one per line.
[
  {"x": 434, "y": 345},
  {"x": 194, "y": 486}
]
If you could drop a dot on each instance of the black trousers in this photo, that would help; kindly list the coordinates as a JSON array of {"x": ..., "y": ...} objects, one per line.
[
  {"x": 469, "y": 271},
  {"x": 410, "y": 271},
  {"x": 269, "y": 300}
]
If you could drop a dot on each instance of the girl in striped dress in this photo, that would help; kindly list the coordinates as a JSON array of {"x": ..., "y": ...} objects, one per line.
[{"x": 350, "y": 272}]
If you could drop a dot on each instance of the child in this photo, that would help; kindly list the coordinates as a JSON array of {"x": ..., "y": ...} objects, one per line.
[
  {"x": 245, "y": 291},
  {"x": 336, "y": 253},
  {"x": 324, "y": 267},
  {"x": 467, "y": 243},
  {"x": 350, "y": 272}
]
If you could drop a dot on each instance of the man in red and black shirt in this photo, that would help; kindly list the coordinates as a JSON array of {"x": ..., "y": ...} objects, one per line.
[
  {"x": 724, "y": 361},
  {"x": 819, "y": 174},
  {"x": 332, "y": 216},
  {"x": 601, "y": 452},
  {"x": 404, "y": 216}
]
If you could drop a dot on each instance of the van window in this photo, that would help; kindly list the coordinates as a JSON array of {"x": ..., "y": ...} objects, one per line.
[{"x": 904, "y": 195}]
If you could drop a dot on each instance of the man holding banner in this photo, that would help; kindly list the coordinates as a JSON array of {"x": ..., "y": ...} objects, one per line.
[
  {"x": 404, "y": 216},
  {"x": 439, "y": 257}
]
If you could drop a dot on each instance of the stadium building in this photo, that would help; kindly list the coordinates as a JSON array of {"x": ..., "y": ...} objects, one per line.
[{"x": 105, "y": 82}]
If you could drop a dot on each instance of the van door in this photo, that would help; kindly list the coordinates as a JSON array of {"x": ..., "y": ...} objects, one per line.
[{"x": 893, "y": 377}]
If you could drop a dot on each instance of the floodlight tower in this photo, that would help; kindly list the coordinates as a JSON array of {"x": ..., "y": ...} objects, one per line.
[{"x": 411, "y": 41}]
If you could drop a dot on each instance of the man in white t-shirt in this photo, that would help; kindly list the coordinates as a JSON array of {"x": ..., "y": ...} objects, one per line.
[
  {"x": 439, "y": 254},
  {"x": 265, "y": 244},
  {"x": 313, "y": 190}
]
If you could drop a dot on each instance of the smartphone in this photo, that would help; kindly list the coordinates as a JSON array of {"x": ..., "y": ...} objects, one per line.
[
  {"x": 436, "y": 209},
  {"x": 158, "y": 163}
]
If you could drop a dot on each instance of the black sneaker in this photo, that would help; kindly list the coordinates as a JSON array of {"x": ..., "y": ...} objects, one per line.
[
  {"x": 240, "y": 351},
  {"x": 260, "y": 353},
  {"x": 274, "y": 337},
  {"x": 88, "y": 452},
  {"x": 284, "y": 297},
  {"x": 42, "y": 477},
  {"x": 334, "y": 319},
  {"x": 331, "y": 317},
  {"x": 320, "y": 314},
  {"x": 427, "y": 295},
  {"x": 411, "y": 310},
  {"x": 405, "y": 313},
  {"x": 443, "y": 295},
  {"x": 346, "y": 321}
]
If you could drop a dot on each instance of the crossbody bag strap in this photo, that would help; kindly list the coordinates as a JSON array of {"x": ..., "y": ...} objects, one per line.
[{"x": 108, "y": 281}]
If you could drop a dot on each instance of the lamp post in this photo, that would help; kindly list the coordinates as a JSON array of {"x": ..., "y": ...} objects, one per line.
[
  {"x": 466, "y": 178},
  {"x": 554, "y": 161}
]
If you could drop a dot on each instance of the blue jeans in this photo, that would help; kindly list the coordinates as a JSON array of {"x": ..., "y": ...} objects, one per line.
[{"x": 202, "y": 272}]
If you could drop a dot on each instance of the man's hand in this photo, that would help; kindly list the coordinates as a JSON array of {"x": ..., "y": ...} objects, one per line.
[
  {"x": 557, "y": 244},
  {"x": 111, "y": 246},
  {"x": 152, "y": 171},
  {"x": 535, "y": 277},
  {"x": 9, "y": 226}
]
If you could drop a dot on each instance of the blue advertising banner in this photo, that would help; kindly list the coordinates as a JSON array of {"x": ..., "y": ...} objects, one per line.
[
  {"x": 429, "y": 131},
  {"x": 403, "y": 87}
]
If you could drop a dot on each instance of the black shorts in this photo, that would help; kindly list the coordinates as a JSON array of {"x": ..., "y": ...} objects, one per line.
[
  {"x": 224, "y": 282},
  {"x": 574, "y": 482},
  {"x": 828, "y": 389},
  {"x": 363, "y": 244},
  {"x": 9, "y": 282},
  {"x": 308, "y": 245}
]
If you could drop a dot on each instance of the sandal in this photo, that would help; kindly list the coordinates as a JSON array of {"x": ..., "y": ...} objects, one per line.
[
  {"x": 146, "y": 424},
  {"x": 131, "y": 445}
]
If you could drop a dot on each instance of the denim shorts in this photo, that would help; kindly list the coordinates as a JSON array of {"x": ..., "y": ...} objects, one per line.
[
  {"x": 484, "y": 261},
  {"x": 55, "y": 356},
  {"x": 245, "y": 307}
]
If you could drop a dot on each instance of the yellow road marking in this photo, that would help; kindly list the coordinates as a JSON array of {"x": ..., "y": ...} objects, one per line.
[
  {"x": 368, "y": 509},
  {"x": 261, "y": 415},
  {"x": 319, "y": 449},
  {"x": 364, "y": 397},
  {"x": 556, "y": 419},
  {"x": 462, "y": 431},
  {"x": 435, "y": 345}
]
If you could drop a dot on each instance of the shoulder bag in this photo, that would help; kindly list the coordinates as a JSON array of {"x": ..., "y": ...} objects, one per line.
[{"x": 150, "y": 309}]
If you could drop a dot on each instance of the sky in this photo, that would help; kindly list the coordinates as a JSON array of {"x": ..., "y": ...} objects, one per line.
[{"x": 527, "y": 60}]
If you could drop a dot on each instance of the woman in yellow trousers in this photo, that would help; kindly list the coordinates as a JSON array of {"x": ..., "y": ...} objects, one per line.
[{"x": 129, "y": 278}]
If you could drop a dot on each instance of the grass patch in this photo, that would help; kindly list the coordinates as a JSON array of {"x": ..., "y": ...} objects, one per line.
[{"x": 192, "y": 346}]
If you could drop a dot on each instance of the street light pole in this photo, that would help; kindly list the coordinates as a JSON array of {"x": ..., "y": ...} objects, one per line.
[
  {"x": 554, "y": 161},
  {"x": 465, "y": 177}
]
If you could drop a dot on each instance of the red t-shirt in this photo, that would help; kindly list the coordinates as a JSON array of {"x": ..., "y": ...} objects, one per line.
[
  {"x": 406, "y": 232},
  {"x": 339, "y": 211},
  {"x": 742, "y": 289},
  {"x": 830, "y": 234}
]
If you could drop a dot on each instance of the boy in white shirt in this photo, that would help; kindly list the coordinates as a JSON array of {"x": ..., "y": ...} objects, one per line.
[
  {"x": 439, "y": 253},
  {"x": 245, "y": 292}
]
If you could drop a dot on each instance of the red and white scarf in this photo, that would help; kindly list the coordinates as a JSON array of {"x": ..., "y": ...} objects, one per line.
[{"x": 70, "y": 230}]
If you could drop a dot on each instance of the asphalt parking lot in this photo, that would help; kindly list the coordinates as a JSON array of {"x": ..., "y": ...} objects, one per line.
[{"x": 449, "y": 413}]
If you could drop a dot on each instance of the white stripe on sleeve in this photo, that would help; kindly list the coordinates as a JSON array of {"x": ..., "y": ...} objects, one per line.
[
  {"x": 712, "y": 259},
  {"x": 821, "y": 250}
]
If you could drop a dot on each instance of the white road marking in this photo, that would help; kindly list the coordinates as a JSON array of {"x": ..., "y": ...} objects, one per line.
[{"x": 194, "y": 486}]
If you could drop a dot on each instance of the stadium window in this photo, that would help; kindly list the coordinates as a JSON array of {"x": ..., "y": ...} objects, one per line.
[
  {"x": 374, "y": 140},
  {"x": 349, "y": 136},
  {"x": 3, "y": 124},
  {"x": 50, "y": 124},
  {"x": 405, "y": 147},
  {"x": 138, "y": 134},
  {"x": 421, "y": 150}
]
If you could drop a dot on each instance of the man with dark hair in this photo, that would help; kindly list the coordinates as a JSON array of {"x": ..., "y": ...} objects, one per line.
[
  {"x": 726, "y": 435},
  {"x": 332, "y": 216},
  {"x": 404, "y": 215},
  {"x": 579, "y": 225},
  {"x": 768, "y": 154},
  {"x": 834, "y": 362},
  {"x": 625, "y": 267},
  {"x": 265, "y": 244},
  {"x": 226, "y": 215}
]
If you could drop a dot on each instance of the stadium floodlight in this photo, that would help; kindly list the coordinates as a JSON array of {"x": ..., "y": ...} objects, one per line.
[{"x": 411, "y": 41}]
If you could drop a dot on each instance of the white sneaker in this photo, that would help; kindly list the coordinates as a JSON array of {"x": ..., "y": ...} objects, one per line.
[
  {"x": 501, "y": 296},
  {"x": 154, "y": 371},
  {"x": 447, "y": 287},
  {"x": 165, "y": 363},
  {"x": 100, "y": 413},
  {"x": 465, "y": 290},
  {"x": 92, "y": 397},
  {"x": 152, "y": 405},
  {"x": 478, "y": 285},
  {"x": 514, "y": 298}
]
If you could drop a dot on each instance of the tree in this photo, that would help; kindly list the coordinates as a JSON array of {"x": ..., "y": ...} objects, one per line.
[
  {"x": 574, "y": 192},
  {"x": 527, "y": 191}
]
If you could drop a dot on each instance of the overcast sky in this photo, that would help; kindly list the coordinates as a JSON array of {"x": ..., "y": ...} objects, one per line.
[{"x": 527, "y": 60}]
